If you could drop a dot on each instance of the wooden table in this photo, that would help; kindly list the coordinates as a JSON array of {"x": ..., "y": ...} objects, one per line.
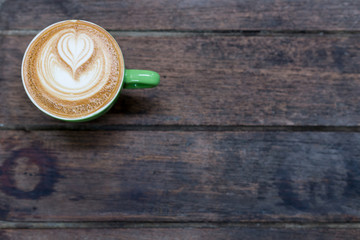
[{"x": 253, "y": 132}]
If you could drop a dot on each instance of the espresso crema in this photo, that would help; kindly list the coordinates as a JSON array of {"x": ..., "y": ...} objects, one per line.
[{"x": 73, "y": 69}]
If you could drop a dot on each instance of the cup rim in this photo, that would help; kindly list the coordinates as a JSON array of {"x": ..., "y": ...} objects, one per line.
[{"x": 92, "y": 115}]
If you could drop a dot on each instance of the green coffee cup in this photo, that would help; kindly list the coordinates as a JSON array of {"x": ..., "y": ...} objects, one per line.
[{"x": 68, "y": 69}]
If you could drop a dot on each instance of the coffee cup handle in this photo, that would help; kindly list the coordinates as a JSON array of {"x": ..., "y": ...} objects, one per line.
[{"x": 134, "y": 78}]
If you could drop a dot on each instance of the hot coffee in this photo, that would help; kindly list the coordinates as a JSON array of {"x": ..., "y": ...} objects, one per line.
[{"x": 73, "y": 69}]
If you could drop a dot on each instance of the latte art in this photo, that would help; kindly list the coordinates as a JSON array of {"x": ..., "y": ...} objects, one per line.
[
  {"x": 75, "y": 49},
  {"x": 73, "y": 70}
]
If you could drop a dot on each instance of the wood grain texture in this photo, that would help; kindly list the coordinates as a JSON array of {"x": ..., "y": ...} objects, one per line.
[
  {"x": 217, "y": 80},
  {"x": 186, "y": 14},
  {"x": 179, "y": 176},
  {"x": 233, "y": 184},
  {"x": 186, "y": 233}
]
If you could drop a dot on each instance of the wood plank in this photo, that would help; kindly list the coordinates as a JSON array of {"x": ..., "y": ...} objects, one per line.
[
  {"x": 186, "y": 14},
  {"x": 217, "y": 80},
  {"x": 179, "y": 176},
  {"x": 182, "y": 233}
]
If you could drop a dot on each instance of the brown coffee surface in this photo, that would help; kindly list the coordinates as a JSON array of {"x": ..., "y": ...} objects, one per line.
[{"x": 73, "y": 69}]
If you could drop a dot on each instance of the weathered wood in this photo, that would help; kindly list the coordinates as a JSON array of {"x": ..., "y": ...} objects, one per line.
[
  {"x": 212, "y": 75},
  {"x": 183, "y": 233},
  {"x": 217, "y": 80},
  {"x": 179, "y": 176},
  {"x": 186, "y": 14}
]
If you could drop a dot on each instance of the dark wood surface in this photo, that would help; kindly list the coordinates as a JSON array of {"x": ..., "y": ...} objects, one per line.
[
  {"x": 218, "y": 80},
  {"x": 199, "y": 15},
  {"x": 184, "y": 233},
  {"x": 179, "y": 176},
  {"x": 253, "y": 132}
]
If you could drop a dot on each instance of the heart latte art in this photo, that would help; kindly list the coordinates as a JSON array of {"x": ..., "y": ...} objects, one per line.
[
  {"x": 73, "y": 69},
  {"x": 67, "y": 72},
  {"x": 75, "y": 49}
]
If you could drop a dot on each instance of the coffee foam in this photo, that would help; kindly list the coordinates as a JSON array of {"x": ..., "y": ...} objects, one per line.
[{"x": 73, "y": 69}]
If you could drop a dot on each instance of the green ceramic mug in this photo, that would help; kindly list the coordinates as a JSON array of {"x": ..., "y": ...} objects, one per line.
[{"x": 46, "y": 78}]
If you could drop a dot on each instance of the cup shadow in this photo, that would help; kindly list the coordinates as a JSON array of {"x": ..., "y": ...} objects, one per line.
[
  {"x": 90, "y": 135},
  {"x": 129, "y": 104}
]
